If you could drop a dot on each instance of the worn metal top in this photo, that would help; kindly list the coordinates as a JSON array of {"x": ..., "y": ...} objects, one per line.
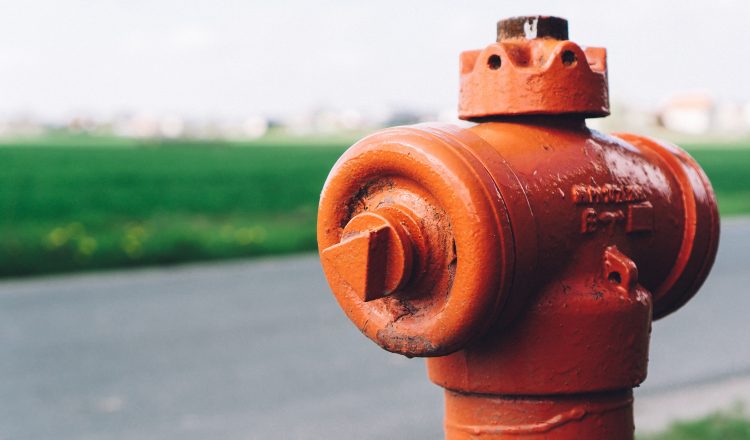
[{"x": 531, "y": 27}]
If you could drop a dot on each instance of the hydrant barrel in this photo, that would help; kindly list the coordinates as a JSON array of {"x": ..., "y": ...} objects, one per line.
[{"x": 525, "y": 256}]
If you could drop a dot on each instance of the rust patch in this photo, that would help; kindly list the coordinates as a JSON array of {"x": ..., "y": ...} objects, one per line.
[
  {"x": 357, "y": 202},
  {"x": 409, "y": 346}
]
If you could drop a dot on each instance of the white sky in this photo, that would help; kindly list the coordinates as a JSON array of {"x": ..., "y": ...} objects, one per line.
[{"x": 222, "y": 58}]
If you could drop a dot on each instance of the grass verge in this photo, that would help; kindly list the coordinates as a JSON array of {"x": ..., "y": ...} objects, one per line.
[
  {"x": 728, "y": 425},
  {"x": 98, "y": 206}
]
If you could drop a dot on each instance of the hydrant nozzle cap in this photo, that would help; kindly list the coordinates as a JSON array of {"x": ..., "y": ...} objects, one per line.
[
  {"x": 415, "y": 241},
  {"x": 531, "y": 27}
]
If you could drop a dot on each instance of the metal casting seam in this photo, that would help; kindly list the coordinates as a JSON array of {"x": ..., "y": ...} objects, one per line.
[
  {"x": 505, "y": 220},
  {"x": 449, "y": 141},
  {"x": 575, "y": 414},
  {"x": 514, "y": 190}
]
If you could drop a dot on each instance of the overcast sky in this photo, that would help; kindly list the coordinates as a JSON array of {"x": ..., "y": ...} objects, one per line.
[{"x": 220, "y": 58}]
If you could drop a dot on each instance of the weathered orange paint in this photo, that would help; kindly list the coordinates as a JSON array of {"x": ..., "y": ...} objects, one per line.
[
  {"x": 525, "y": 256},
  {"x": 539, "y": 76}
]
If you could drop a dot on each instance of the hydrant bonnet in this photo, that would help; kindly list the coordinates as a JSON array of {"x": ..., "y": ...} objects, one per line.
[{"x": 533, "y": 70}]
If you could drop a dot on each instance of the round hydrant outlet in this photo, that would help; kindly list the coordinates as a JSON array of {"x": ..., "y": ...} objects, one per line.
[{"x": 525, "y": 256}]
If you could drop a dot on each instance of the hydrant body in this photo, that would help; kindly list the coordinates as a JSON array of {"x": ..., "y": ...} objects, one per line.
[{"x": 525, "y": 256}]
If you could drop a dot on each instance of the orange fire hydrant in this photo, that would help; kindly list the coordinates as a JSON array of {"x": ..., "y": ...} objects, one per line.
[{"x": 525, "y": 256}]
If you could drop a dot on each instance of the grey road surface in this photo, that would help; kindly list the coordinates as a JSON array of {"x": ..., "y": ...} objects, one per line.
[{"x": 259, "y": 349}]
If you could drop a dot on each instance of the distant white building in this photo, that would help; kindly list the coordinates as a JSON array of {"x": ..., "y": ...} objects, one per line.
[
  {"x": 171, "y": 127},
  {"x": 731, "y": 118},
  {"x": 689, "y": 113},
  {"x": 254, "y": 127}
]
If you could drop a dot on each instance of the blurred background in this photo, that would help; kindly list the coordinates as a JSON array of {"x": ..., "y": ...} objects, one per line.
[{"x": 151, "y": 133}]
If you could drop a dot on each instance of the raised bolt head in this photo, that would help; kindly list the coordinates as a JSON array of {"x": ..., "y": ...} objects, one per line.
[{"x": 532, "y": 26}]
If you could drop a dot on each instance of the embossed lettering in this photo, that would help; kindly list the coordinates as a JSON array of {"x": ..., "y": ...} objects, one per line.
[
  {"x": 607, "y": 193},
  {"x": 591, "y": 220}
]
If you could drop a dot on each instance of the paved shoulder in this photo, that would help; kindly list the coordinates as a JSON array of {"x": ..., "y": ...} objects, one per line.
[{"x": 260, "y": 349}]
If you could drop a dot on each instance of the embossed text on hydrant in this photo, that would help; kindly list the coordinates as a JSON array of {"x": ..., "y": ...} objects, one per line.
[{"x": 607, "y": 193}]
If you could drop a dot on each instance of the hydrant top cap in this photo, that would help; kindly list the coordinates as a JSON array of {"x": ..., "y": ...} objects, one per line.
[{"x": 533, "y": 69}]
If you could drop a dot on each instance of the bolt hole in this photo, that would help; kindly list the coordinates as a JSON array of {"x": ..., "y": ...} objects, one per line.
[
  {"x": 568, "y": 57},
  {"x": 494, "y": 62},
  {"x": 614, "y": 277}
]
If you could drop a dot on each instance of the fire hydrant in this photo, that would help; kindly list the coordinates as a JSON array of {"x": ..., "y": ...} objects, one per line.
[{"x": 525, "y": 256}]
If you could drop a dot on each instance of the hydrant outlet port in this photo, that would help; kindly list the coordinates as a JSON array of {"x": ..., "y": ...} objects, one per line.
[{"x": 452, "y": 222}]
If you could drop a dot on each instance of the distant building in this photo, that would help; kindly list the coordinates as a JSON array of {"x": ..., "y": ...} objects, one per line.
[
  {"x": 254, "y": 127},
  {"x": 731, "y": 118},
  {"x": 171, "y": 127},
  {"x": 689, "y": 113}
]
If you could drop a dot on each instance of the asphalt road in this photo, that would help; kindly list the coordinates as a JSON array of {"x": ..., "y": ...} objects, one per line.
[{"x": 259, "y": 349}]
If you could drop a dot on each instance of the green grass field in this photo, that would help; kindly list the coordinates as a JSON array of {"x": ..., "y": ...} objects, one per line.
[
  {"x": 729, "y": 171},
  {"x": 103, "y": 205},
  {"x": 72, "y": 203},
  {"x": 727, "y": 425}
]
